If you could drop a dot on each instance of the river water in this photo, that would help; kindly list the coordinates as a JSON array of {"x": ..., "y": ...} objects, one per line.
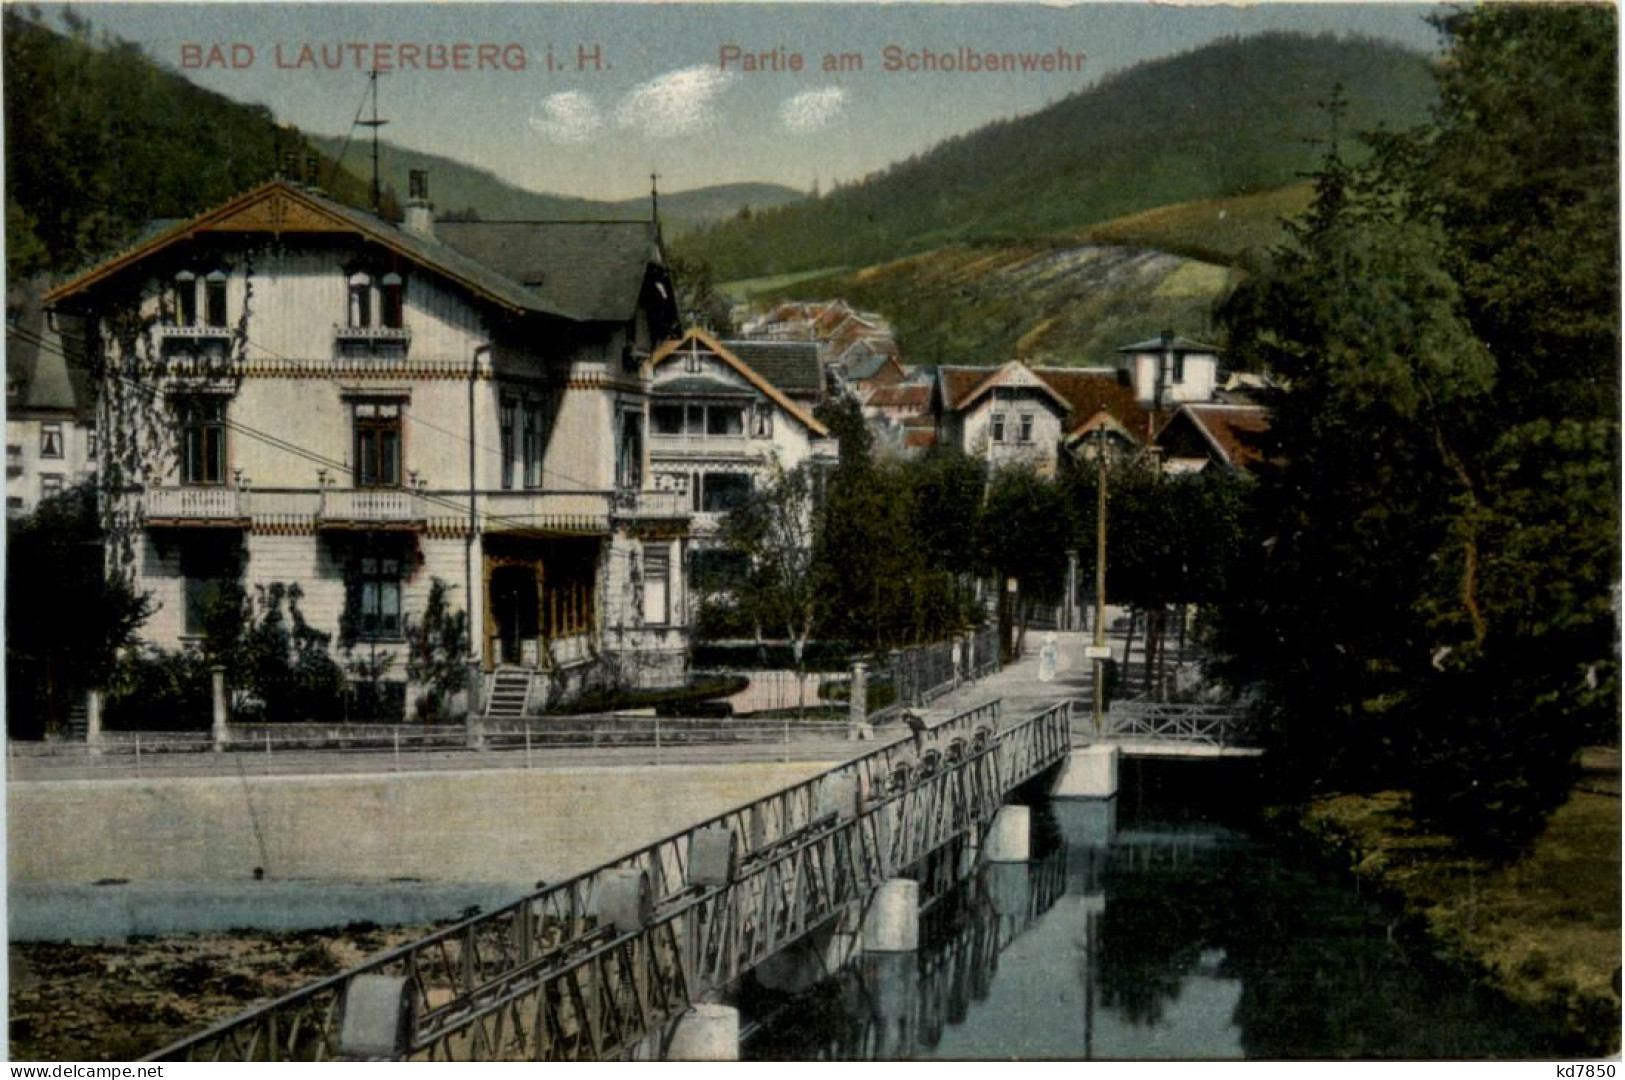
[{"x": 1156, "y": 925}]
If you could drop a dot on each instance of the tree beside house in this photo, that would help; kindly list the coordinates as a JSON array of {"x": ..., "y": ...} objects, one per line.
[{"x": 294, "y": 391}]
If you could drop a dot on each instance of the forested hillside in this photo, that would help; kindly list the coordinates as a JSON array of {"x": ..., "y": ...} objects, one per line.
[
  {"x": 464, "y": 190},
  {"x": 1234, "y": 118},
  {"x": 100, "y": 140}
]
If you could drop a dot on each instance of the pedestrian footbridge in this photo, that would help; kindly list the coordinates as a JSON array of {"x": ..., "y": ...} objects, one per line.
[{"x": 632, "y": 959}]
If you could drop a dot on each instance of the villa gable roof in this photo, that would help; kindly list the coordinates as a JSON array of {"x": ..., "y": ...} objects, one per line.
[{"x": 703, "y": 339}]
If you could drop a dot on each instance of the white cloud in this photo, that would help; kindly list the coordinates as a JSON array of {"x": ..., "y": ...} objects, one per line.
[
  {"x": 677, "y": 103},
  {"x": 813, "y": 110},
  {"x": 569, "y": 117}
]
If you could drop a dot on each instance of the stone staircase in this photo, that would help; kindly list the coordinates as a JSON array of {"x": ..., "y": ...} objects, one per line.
[{"x": 510, "y": 691}]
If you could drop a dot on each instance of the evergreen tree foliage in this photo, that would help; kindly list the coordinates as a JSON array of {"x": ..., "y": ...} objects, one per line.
[{"x": 1439, "y": 532}]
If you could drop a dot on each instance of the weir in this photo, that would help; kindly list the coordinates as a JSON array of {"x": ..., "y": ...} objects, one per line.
[{"x": 631, "y": 960}]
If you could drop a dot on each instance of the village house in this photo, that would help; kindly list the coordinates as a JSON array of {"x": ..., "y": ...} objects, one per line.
[
  {"x": 1220, "y": 436},
  {"x": 1168, "y": 371},
  {"x": 720, "y": 430},
  {"x": 50, "y": 406},
  {"x": 317, "y": 396},
  {"x": 1015, "y": 415}
]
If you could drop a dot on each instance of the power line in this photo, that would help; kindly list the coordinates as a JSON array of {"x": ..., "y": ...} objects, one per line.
[{"x": 153, "y": 394}]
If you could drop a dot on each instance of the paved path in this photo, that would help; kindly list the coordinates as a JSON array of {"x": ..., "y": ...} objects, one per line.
[{"x": 1018, "y": 684}]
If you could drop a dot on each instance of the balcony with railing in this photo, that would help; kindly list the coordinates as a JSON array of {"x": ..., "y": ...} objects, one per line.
[
  {"x": 196, "y": 505},
  {"x": 375, "y": 341},
  {"x": 575, "y": 512},
  {"x": 370, "y": 508},
  {"x": 651, "y": 505}
]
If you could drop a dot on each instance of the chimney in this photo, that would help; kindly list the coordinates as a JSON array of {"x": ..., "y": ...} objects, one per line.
[
  {"x": 313, "y": 172},
  {"x": 419, "y": 211},
  {"x": 1165, "y": 362}
]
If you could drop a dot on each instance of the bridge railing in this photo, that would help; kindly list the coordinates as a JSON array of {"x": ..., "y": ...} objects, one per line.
[
  {"x": 592, "y": 965},
  {"x": 1191, "y": 723}
]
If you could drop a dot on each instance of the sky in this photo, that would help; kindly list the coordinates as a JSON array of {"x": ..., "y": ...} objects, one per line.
[{"x": 589, "y": 99}]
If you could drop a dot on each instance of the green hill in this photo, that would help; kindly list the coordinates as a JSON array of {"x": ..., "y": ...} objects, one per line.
[
  {"x": 1238, "y": 117},
  {"x": 1054, "y": 302},
  {"x": 102, "y": 140},
  {"x": 1066, "y": 301},
  {"x": 461, "y": 189}
]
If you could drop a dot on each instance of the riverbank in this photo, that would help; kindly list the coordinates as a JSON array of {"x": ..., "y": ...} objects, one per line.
[{"x": 1545, "y": 929}]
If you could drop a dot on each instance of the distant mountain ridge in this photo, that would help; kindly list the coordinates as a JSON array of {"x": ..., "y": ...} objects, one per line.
[
  {"x": 1237, "y": 117},
  {"x": 458, "y": 188}
]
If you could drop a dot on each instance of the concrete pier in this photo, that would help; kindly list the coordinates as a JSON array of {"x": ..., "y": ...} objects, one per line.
[
  {"x": 1089, "y": 772},
  {"x": 706, "y": 1033},
  {"x": 1009, "y": 836},
  {"x": 892, "y": 923}
]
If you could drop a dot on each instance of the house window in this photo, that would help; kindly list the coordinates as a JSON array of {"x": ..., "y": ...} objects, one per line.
[
  {"x": 761, "y": 424},
  {"x": 724, "y": 420},
  {"x": 208, "y": 571},
  {"x": 203, "y": 440},
  {"x": 214, "y": 299},
  {"x": 50, "y": 485},
  {"x": 998, "y": 427},
  {"x": 533, "y": 444},
  {"x": 721, "y": 492},
  {"x": 657, "y": 584},
  {"x": 184, "y": 298},
  {"x": 360, "y": 300},
  {"x": 50, "y": 440},
  {"x": 391, "y": 295},
  {"x": 510, "y": 416},
  {"x": 629, "y": 466},
  {"x": 1025, "y": 433},
  {"x": 378, "y": 607},
  {"x": 91, "y": 445},
  {"x": 667, "y": 419},
  {"x": 377, "y": 443}
]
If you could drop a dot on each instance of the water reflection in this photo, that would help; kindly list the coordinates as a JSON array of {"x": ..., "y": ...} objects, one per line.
[{"x": 1144, "y": 939}]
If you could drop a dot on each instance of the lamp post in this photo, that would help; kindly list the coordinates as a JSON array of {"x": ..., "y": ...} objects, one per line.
[{"x": 1100, "y": 579}]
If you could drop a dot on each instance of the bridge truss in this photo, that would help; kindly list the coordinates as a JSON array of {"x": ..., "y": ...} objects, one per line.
[{"x": 603, "y": 966}]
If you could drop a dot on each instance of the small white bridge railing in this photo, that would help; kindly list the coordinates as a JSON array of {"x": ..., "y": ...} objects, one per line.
[{"x": 1185, "y": 723}]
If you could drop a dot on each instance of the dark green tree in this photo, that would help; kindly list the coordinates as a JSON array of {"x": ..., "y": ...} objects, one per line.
[{"x": 66, "y": 618}]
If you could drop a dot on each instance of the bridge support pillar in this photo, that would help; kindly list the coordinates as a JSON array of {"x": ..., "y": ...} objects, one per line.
[
  {"x": 1089, "y": 772},
  {"x": 706, "y": 1033},
  {"x": 893, "y": 984},
  {"x": 1009, "y": 888},
  {"x": 1009, "y": 836},
  {"x": 892, "y": 923}
]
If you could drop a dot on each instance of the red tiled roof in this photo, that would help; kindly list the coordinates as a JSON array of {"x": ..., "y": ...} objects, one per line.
[
  {"x": 1093, "y": 392},
  {"x": 1234, "y": 429},
  {"x": 919, "y": 438},
  {"x": 900, "y": 395}
]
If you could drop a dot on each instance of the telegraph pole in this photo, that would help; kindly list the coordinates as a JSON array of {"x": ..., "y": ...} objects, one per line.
[{"x": 1099, "y": 651}]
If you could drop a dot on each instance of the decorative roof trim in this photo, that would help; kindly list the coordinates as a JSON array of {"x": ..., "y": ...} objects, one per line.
[
  {"x": 712, "y": 345},
  {"x": 308, "y": 215}
]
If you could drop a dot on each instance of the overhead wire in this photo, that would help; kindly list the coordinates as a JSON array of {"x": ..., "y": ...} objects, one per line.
[{"x": 153, "y": 394}]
